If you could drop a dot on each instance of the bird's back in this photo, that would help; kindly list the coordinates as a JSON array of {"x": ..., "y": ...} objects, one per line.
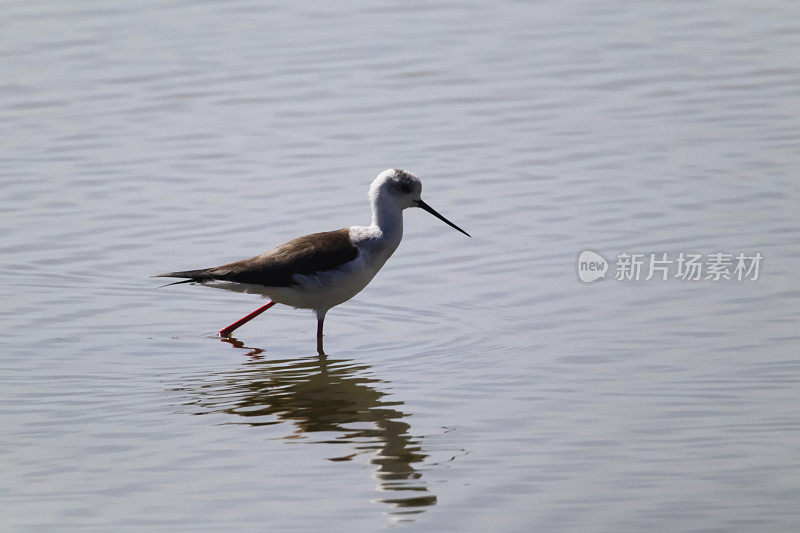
[{"x": 309, "y": 254}]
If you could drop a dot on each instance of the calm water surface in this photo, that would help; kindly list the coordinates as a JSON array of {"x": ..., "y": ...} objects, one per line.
[{"x": 476, "y": 384}]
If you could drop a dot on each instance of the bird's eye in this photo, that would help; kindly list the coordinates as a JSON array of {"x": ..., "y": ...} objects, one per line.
[{"x": 406, "y": 187}]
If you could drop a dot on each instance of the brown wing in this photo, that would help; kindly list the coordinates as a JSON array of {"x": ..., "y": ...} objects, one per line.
[{"x": 305, "y": 255}]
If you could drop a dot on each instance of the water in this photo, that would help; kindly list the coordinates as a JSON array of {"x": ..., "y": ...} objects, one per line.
[{"x": 476, "y": 384}]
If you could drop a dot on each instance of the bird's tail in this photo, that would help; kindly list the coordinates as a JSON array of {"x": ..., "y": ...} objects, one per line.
[{"x": 191, "y": 275}]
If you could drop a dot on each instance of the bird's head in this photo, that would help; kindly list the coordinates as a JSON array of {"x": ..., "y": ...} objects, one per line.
[
  {"x": 402, "y": 189},
  {"x": 399, "y": 187}
]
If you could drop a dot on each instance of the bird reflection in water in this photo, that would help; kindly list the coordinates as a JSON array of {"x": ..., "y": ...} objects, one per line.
[{"x": 318, "y": 394}]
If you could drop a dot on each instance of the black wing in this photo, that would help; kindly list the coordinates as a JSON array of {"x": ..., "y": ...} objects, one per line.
[{"x": 305, "y": 255}]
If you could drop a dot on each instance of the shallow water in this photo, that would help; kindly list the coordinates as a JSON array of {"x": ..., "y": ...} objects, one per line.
[{"x": 476, "y": 383}]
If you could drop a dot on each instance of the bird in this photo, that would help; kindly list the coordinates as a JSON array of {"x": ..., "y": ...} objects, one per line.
[{"x": 322, "y": 270}]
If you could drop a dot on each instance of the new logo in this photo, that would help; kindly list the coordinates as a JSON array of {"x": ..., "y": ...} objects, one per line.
[{"x": 591, "y": 266}]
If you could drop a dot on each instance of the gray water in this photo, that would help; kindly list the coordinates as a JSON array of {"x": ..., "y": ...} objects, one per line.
[{"x": 476, "y": 384}]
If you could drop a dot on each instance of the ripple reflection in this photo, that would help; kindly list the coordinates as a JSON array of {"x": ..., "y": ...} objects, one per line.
[{"x": 318, "y": 394}]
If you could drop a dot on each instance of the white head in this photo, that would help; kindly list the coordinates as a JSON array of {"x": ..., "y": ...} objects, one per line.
[
  {"x": 399, "y": 187},
  {"x": 401, "y": 190}
]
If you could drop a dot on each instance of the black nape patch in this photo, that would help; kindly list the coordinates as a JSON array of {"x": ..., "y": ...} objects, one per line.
[{"x": 405, "y": 181}]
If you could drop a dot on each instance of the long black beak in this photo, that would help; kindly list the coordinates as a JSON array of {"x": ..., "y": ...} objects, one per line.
[{"x": 433, "y": 212}]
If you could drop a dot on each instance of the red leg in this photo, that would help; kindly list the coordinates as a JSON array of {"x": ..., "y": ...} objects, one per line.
[{"x": 227, "y": 331}]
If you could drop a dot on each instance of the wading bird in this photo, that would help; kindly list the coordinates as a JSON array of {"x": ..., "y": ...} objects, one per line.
[{"x": 322, "y": 270}]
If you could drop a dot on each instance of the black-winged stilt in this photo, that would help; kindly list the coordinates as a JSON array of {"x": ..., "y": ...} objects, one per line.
[{"x": 322, "y": 270}]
